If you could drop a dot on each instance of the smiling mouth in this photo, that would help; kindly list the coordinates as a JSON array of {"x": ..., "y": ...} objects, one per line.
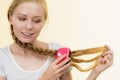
[{"x": 28, "y": 35}]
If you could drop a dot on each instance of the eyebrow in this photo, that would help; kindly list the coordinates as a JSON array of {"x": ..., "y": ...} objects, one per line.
[
  {"x": 38, "y": 16},
  {"x": 22, "y": 14},
  {"x": 34, "y": 16}
]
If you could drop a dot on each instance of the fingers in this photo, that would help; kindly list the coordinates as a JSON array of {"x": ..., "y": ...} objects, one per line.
[
  {"x": 64, "y": 63},
  {"x": 56, "y": 69},
  {"x": 60, "y": 59},
  {"x": 107, "y": 58},
  {"x": 107, "y": 61},
  {"x": 108, "y": 52},
  {"x": 64, "y": 68},
  {"x": 107, "y": 47},
  {"x": 61, "y": 63}
]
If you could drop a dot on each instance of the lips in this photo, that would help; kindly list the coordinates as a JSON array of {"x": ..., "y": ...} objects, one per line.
[{"x": 27, "y": 35}]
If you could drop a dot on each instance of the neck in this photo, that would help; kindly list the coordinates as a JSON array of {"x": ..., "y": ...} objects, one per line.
[{"x": 16, "y": 49}]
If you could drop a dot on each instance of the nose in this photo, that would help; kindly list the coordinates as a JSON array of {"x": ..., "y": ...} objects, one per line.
[{"x": 29, "y": 25}]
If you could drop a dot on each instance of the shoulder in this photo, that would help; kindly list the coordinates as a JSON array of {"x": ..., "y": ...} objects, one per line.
[
  {"x": 4, "y": 52},
  {"x": 3, "y": 59},
  {"x": 54, "y": 46}
]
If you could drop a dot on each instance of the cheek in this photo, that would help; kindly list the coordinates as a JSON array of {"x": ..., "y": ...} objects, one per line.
[
  {"x": 16, "y": 31},
  {"x": 17, "y": 24},
  {"x": 17, "y": 27},
  {"x": 39, "y": 27},
  {"x": 38, "y": 30}
]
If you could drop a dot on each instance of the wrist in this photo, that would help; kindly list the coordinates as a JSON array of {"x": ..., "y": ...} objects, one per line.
[{"x": 93, "y": 75}]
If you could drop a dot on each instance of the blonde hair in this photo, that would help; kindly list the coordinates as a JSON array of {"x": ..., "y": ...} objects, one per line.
[
  {"x": 16, "y": 3},
  {"x": 74, "y": 54}
]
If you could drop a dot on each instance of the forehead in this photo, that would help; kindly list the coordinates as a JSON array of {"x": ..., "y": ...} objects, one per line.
[{"x": 28, "y": 8}]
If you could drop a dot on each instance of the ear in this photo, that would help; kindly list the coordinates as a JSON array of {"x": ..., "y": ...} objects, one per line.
[{"x": 10, "y": 19}]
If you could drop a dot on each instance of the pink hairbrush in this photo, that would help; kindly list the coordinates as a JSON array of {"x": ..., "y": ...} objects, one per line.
[{"x": 63, "y": 51}]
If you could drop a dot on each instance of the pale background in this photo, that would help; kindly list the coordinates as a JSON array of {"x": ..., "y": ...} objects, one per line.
[{"x": 78, "y": 24}]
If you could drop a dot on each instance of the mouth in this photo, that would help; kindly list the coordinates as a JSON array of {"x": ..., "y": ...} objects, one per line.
[{"x": 27, "y": 35}]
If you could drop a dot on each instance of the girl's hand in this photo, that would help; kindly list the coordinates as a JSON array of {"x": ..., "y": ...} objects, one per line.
[
  {"x": 105, "y": 62},
  {"x": 56, "y": 69}
]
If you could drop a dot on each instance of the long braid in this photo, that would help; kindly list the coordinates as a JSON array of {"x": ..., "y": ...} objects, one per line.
[{"x": 74, "y": 54}]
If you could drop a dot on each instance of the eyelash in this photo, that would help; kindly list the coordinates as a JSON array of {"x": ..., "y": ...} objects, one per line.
[
  {"x": 35, "y": 21},
  {"x": 22, "y": 19}
]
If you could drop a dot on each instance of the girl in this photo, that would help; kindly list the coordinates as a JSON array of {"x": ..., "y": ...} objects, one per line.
[{"x": 26, "y": 59}]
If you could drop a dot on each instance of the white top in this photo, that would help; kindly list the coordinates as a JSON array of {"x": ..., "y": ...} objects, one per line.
[{"x": 12, "y": 71}]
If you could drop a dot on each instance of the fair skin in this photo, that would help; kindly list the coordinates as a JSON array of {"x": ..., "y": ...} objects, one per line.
[{"x": 28, "y": 20}]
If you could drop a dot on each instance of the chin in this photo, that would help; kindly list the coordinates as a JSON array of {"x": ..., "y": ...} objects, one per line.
[{"x": 27, "y": 41}]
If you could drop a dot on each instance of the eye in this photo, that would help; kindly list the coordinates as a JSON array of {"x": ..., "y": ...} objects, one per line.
[
  {"x": 37, "y": 20},
  {"x": 22, "y": 18}
]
